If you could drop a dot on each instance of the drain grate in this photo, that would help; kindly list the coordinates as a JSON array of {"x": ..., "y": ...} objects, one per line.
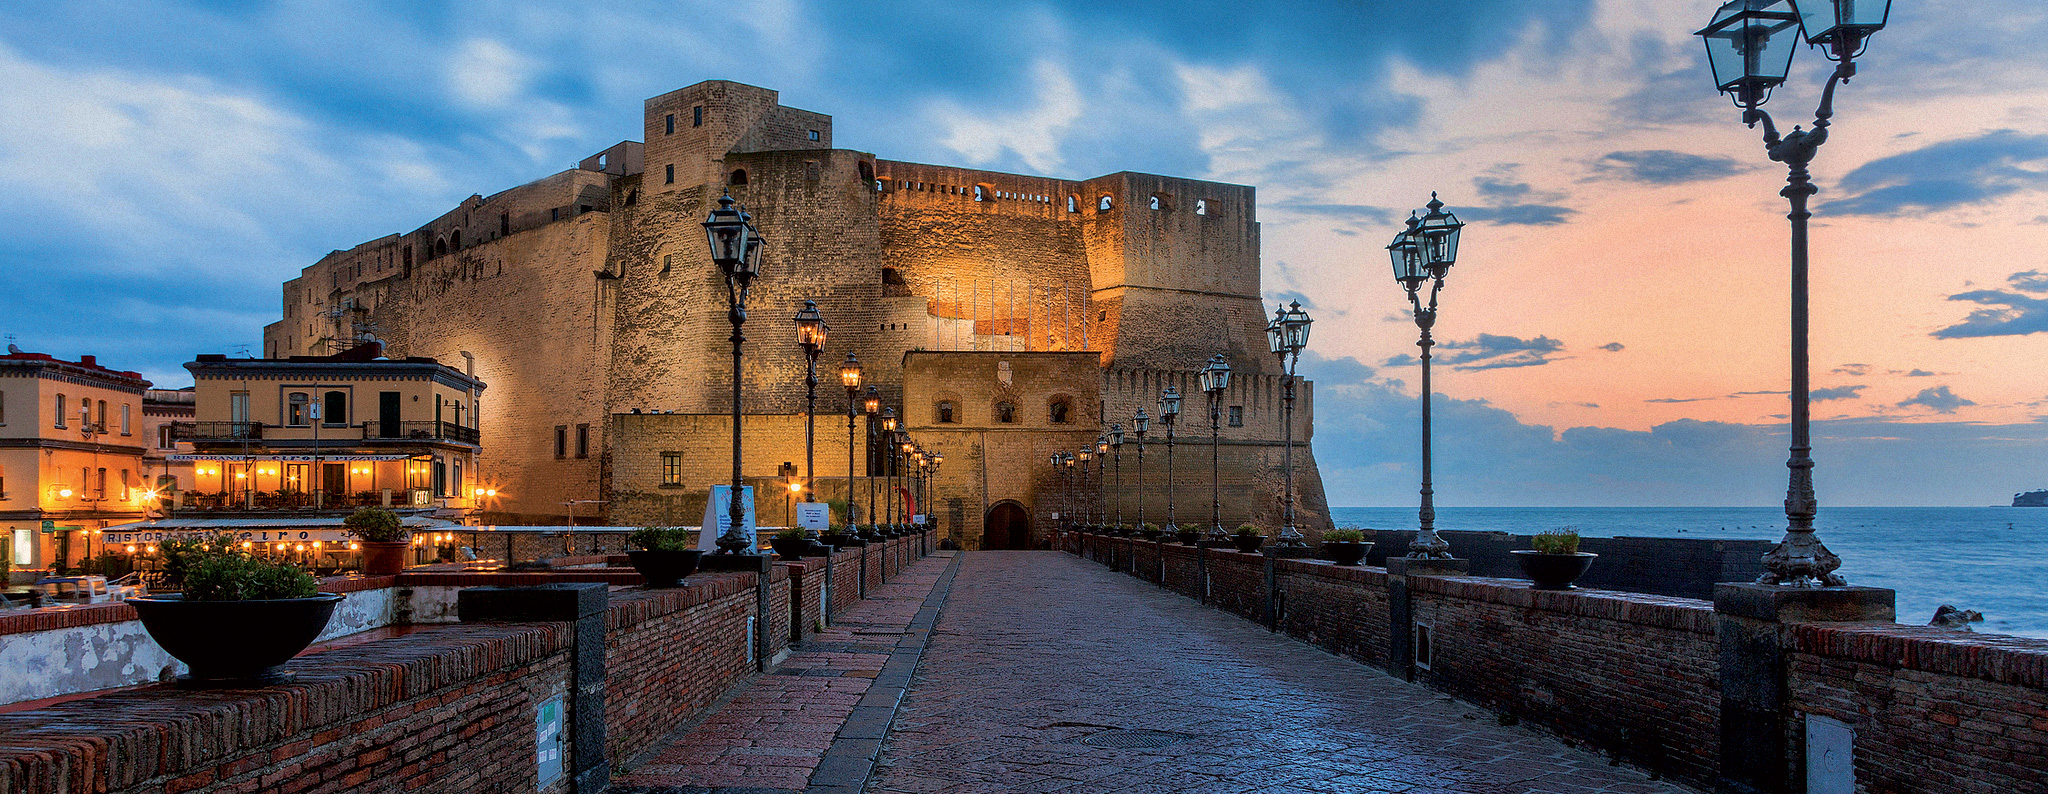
[{"x": 1134, "y": 739}]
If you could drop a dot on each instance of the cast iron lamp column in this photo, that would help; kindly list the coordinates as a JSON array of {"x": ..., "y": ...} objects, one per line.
[
  {"x": 872, "y": 406},
  {"x": 1215, "y": 378},
  {"x": 810, "y": 335},
  {"x": 1139, "y": 424},
  {"x": 1169, "y": 410},
  {"x": 1425, "y": 251},
  {"x": 903, "y": 448},
  {"x": 849, "y": 375},
  {"x": 1086, "y": 505},
  {"x": 1102, "y": 484},
  {"x": 1748, "y": 62},
  {"x": 736, "y": 249},
  {"x": 1116, "y": 448},
  {"x": 932, "y": 488},
  {"x": 1287, "y": 335},
  {"x": 887, "y": 461},
  {"x": 1067, "y": 465}
]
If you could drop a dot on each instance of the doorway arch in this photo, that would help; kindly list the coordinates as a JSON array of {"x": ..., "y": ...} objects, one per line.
[{"x": 1007, "y": 526}]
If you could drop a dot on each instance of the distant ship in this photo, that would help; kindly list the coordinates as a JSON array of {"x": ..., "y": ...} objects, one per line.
[{"x": 2030, "y": 499}]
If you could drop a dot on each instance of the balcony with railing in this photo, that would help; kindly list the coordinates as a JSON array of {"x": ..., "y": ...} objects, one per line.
[
  {"x": 374, "y": 431},
  {"x": 217, "y": 431}
]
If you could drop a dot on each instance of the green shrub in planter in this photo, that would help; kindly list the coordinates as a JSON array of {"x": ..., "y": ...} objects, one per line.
[
  {"x": 1247, "y": 529},
  {"x": 661, "y": 539},
  {"x": 1343, "y": 536},
  {"x": 1563, "y": 540},
  {"x": 374, "y": 525},
  {"x": 234, "y": 576}
]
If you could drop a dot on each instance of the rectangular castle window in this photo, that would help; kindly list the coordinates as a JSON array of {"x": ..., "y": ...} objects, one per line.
[
  {"x": 672, "y": 468},
  {"x": 1237, "y": 416},
  {"x": 561, "y": 441},
  {"x": 697, "y": 116},
  {"x": 671, "y": 125},
  {"x": 583, "y": 441},
  {"x": 813, "y": 135},
  {"x": 671, "y": 175}
]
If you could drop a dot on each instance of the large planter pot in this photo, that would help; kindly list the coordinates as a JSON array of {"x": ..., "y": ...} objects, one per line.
[
  {"x": 791, "y": 549},
  {"x": 1553, "y": 571},
  {"x": 234, "y": 643},
  {"x": 1188, "y": 537},
  {"x": 1247, "y": 543},
  {"x": 1150, "y": 534},
  {"x": 1346, "y": 552},
  {"x": 381, "y": 558},
  {"x": 664, "y": 568}
]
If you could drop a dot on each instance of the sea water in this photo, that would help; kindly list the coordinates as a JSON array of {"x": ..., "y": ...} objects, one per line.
[{"x": 1990, "y": 559}]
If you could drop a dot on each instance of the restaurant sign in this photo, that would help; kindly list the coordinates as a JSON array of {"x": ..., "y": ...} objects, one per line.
[
  {"x": 287, "y": 458},
  {"x": 287, "y": 535}
]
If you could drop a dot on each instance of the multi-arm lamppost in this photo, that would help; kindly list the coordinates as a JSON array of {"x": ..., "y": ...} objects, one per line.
[
  {"x": 1422, "y": 252},
  {"x": 1287, "y": 335},
  {"x": 810, "y": 335},
  {"x": 1169, "y": 411},
  {"x": 1139, "y": 424},
  {"x": 1215, "y": 377},
  {"x": 871, "y": 404},
  {"x": 736, "y": 249},
  {"x": 849, "y": 376},
  {"x": 1749, "y": 58},
  {"x": 1116, "y": 447}
]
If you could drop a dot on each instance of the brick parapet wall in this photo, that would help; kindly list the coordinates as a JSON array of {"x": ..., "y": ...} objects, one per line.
[{"x": 1916, "y": 695}]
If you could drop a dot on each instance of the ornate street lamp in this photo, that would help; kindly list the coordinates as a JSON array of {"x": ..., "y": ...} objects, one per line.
[
  {"x": 932, "y": 487},
  {"x": 1067, "y": 465},
  {"x": 903, "y": 448},
  {"x": 849, "y": 376},
  {"x": 736, "y": 249},
  {"x": 1087, "y": 504},
  {"x": 1139, "y": 424},
  {"x": 1425, "y": 251},
  {"x": 810, "y": 335},
  {"x": 1750, "y": 49},
  {"x": 1287, "y": 335},
  {"x": 1215, "y": 377},
  {"x": 871, "y": 404},
  {"x": 1169, "y": 412},
  {"x": 887, "y": 461},
  {"x": 1116, "y": 447},
  {"x": 1060, "y": 510}
]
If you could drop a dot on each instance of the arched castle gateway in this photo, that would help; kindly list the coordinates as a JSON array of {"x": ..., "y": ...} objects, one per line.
[{"x": 1005, "y": 315}]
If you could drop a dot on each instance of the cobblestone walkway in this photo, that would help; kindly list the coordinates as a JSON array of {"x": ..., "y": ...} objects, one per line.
[
  {"x": 816, "y": 722},
  {"x": 1047, "y": 673}
]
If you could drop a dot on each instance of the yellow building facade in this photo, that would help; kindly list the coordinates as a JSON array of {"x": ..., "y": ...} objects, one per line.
[{"x": 72, "y": 443}]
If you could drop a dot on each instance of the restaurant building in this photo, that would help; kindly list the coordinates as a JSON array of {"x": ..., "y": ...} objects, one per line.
[{"x": 71, "y": 456}]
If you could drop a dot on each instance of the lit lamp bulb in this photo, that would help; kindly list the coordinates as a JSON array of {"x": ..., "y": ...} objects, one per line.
[
  {"x": 131, "y": 548},
  {"x": 246, "y": 545},
  {"x": 352, "y": 545},
  {"x": 491, "y": 492},
  {"x": 64, "y": 493},
  {"x": 150, "y": 549}
]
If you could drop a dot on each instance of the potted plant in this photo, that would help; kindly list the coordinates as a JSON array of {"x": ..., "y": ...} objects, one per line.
[
  {"x": 1188, "y": 535},
  {"x": 383, "y": 538},
  {"x": 791, "y": 543},
  {"x": 844, "y": 537},
  {"x": 239, "y": 619},
  {"x": 1345, "y": 546},
  {"x": 1247, "y": 538},
  {"x": 1149, "y": 532},
  {"x": 870, "y": 533},
  {"x": 663, "y": 555},
  {"x": 1556, "y": 561}
]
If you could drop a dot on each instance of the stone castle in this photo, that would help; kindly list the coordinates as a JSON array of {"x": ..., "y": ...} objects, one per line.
[{"x": 1006, "y": 317}]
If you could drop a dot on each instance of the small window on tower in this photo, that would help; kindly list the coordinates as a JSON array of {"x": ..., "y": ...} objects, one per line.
[
  {"x": 697, "y": 116},
  {"x": 1006, "y": 413},
  {"x": 1061, "y": 412},
  {"x": 1102, "y": 204},
  {"x": 813, "y": 135},
  {"x": 945, "y": 412},
  {"x": 671, "y": 175},
  {"x": 1237, "y": 416},
  {"x": 1201, "y": 206},
  {"x": 671, "y": 125},
  {"x": 738, "y": 177}
]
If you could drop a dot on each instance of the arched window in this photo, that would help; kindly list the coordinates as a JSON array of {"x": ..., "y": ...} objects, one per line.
[
  {"x": 1061, "y": 411},
  {"x": 1006, "y": 413},
  {"x": 945, "y": 412},
  {"x": 1103, "y": 203},
  {"x": 440, "y": 248},
  {"x": 867, "y": 171},
  {"x": 738, "y": 177},
  {"x": 979, "y": 195},
  {"x": 1073, "y": 204},
  {"x": 1155, "y": 201},
  {"x": 1201, "y": 206},
  {"x": 455, "y": 240}
]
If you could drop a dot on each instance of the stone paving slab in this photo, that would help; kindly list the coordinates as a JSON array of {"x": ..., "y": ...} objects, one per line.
[
  {"x": 816, "y": 722},
  {"x": 1041, "y": 662}
]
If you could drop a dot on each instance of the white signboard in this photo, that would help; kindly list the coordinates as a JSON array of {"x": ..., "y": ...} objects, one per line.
[
  {"x": 305, "y": 535},
  {"x": 718, "y": 517},
  {"x": 917, "y": 519},
  {"x": 814, "y": 515}
]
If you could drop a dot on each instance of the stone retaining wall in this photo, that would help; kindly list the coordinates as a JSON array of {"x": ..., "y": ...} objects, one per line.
[{"x": 1640, "y": 676}]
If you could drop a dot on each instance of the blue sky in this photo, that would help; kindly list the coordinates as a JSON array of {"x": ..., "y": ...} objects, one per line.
[{"x": 1614, "y": 334}]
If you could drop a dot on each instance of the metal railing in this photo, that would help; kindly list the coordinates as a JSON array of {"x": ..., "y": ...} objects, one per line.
[{"x": 217, "y": 431}]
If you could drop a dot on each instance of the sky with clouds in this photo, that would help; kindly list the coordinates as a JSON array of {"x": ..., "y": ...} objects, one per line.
[{"x": 1615, "y": 332}]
